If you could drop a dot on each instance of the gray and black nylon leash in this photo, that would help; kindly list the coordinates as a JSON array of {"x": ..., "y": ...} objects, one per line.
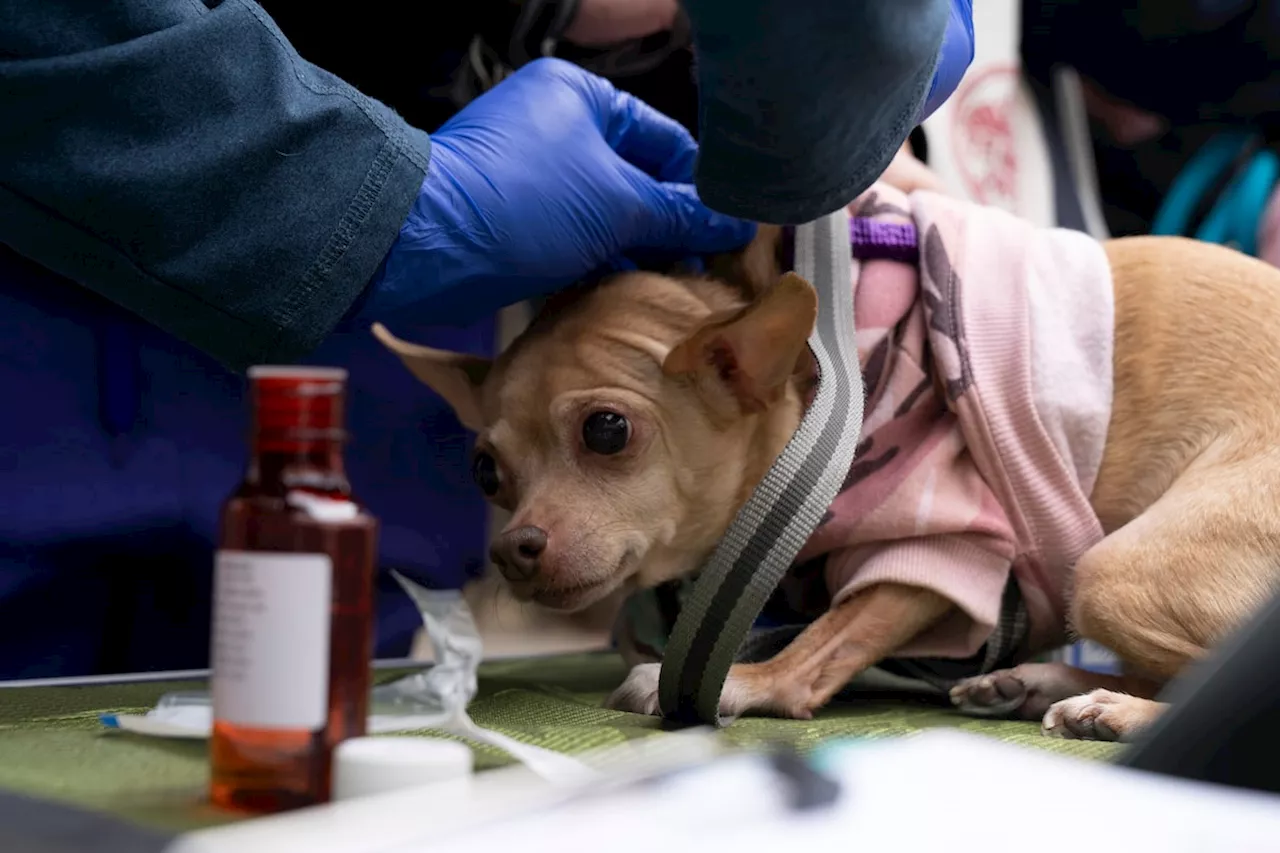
[{"x": 787, "y": 506}]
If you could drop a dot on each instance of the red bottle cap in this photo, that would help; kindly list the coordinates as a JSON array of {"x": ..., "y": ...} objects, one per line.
[{"x": 297, "y": 408}]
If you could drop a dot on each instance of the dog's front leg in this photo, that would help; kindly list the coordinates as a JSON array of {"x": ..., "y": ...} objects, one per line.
[{"x": 863, "y": 630}]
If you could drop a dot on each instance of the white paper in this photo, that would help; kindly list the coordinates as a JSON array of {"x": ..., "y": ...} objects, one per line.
[
  {"x": 271, "y": 639},
  {"x": 941, "y": 790}
]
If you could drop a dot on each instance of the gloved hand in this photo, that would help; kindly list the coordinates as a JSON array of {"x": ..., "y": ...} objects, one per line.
[
  {"x": 954, "y": 59},
  {"x": 544, "y": 179}
]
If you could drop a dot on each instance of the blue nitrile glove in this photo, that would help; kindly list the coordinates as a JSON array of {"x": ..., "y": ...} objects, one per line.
[
  {"x": 544, "y": 179},
  {"x": 954, "y": 59}
]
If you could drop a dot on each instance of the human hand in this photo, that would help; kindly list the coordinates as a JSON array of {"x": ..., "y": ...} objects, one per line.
[
  {"x": 907, "y": 173},
  {"x": 599, "y": 23},
  {"x": 954, "y": 58},
  {"x": 547, "y": 177}
]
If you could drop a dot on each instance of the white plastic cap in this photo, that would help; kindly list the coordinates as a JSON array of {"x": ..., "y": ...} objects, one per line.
[
  {"x": 298, "y": 371},
  {"x": 373, "y": 765}
]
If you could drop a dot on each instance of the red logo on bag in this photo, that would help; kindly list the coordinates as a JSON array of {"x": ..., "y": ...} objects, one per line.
[{"x": 982, "y": 135}]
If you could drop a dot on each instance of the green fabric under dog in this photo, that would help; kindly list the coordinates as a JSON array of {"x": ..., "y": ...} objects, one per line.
[{"x": 53, "y": 746}]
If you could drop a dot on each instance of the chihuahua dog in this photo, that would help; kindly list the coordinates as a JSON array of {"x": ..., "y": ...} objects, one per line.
[{"x": 1088, "y": 428}]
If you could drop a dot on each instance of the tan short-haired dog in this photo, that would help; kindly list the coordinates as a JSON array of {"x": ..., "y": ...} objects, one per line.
[{"x": 1088, "y": 431}]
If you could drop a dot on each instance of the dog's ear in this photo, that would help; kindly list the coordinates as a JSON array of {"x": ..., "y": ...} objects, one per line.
[
  {"x": 756, "y": 268},
  {"x": 455, "y": 376},
  {"x": 753, "y": 352}
]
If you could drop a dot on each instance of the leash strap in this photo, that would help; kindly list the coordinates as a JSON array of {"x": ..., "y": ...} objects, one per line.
[{"x": 789, "y": 503}]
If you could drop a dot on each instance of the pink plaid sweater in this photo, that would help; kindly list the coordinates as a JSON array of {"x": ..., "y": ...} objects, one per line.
[{"x": 988, "y": 380}]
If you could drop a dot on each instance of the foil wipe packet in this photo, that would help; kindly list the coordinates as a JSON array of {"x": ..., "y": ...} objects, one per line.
[{"x": 434, "y": 698}]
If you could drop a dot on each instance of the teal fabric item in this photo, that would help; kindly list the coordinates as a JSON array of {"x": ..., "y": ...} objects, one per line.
[
  {"x": 1174, "y": 216},
  {"x": 1232, "y": 219}
]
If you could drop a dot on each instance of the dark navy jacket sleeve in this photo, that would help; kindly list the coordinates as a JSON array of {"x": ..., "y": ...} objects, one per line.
[
  {"x": 180, "y": 158},
  {"x": 803, "y": 104}
]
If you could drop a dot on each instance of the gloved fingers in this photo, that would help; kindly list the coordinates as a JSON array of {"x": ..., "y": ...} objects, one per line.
[
  {"x": 954, "y": 59},
  {"x": 652, "y": 142},
  {"x": 676, "y": 220},
  {"x": 641, "y": 135}
]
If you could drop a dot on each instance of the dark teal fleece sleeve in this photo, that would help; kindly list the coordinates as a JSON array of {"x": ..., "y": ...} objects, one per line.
[
  {"x": 803, "y": 103},
  {"x": 179, "y": 158}
]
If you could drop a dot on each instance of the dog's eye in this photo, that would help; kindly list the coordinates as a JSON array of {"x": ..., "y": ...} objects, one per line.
[
  {"x": 484, "y": 470},
  {"x": 605, "y": 433}
]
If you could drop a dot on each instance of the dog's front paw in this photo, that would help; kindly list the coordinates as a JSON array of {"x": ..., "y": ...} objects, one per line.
[
  {"x": 754, "y": 688},
  {"x": 639, "y": 693},
  {"x": 1100, "y": 715},
  {"x": 749, "y": 687}
]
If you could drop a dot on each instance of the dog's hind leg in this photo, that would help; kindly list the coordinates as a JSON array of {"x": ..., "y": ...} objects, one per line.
[
  {"x": 1160, "y": 592},
  {"x": 1164, "y": 589}
]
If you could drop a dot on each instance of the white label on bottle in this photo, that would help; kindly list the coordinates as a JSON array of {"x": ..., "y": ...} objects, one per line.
[{"x": 271, "y": 618}]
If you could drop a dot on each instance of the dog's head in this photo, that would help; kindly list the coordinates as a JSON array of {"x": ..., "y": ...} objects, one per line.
[{"x": 626, "y": 427}]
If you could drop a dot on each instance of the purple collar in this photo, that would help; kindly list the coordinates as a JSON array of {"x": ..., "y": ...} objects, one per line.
[
  {"x": 872, "y": 239},
  {"x": 869, "y": 239}
]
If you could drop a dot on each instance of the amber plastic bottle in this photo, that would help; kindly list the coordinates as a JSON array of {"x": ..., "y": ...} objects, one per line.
[{"x": 293, "y": 600}]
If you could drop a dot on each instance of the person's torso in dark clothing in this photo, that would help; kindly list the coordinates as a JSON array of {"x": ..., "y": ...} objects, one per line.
[
  {"x": 118, "y": 445},
  {"x": 407, "y": 55},
  {"x": 1202, "y": 65}
]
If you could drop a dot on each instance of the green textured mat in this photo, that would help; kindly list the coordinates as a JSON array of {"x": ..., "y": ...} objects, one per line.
[{"x": 53, "y": 746}]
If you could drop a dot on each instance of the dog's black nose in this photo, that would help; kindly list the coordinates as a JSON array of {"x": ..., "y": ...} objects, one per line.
[{"x": 516, "y": 552}]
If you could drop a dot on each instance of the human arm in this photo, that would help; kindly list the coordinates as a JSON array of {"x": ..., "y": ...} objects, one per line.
[
  {"x": 185, "y": 163},
  {"x": 606, "y": 22},
  {"x": 803, "y": 105}
]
